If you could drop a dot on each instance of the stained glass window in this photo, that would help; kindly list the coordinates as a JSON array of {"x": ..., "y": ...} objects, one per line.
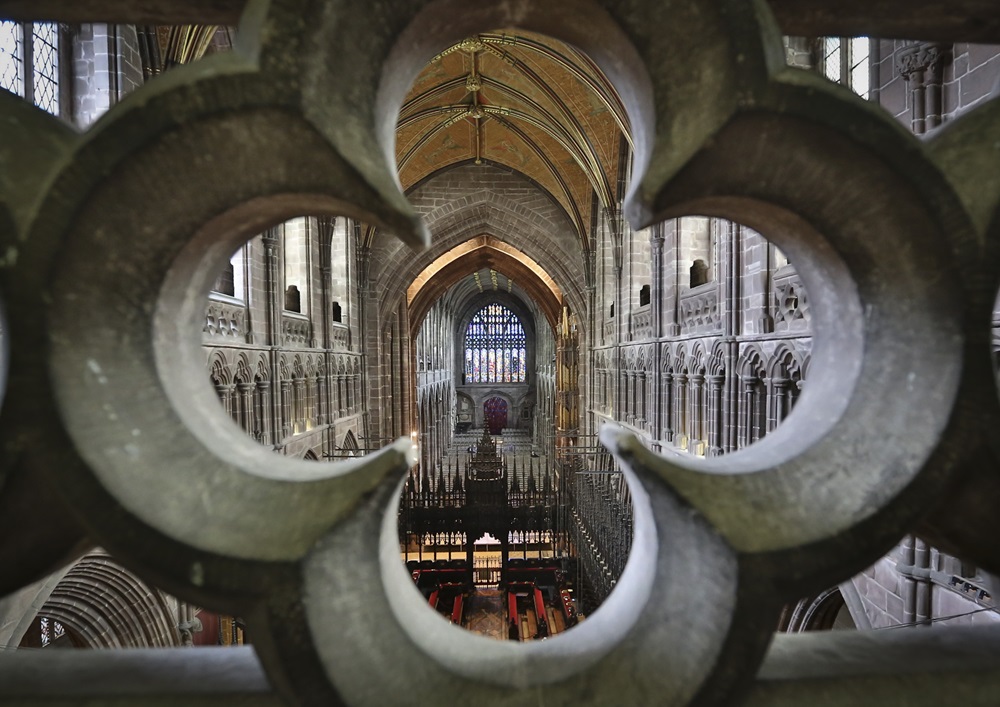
[
  {"x": 50, "y": 630},
  {"x": 495, "y": 347}
]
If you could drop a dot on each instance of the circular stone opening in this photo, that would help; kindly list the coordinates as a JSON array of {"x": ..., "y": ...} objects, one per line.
[
  {"x": 486, "y": 525},
  {"x": 706, "y": 351},
  {"x": 510, "y": 543},
  {"x": 522, "y": 592},
  {"x": 281, "y": 337}
]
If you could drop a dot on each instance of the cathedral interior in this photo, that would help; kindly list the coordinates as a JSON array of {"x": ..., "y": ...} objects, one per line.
[{"x": 347, "y": 345}]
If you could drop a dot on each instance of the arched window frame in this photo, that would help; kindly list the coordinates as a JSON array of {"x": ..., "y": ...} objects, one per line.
[
  {"x": 495, "y": 346},
  {"x": 297, "y": 233}
]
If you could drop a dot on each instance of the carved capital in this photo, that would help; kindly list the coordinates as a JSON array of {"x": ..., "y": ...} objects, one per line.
[{"x": 919, "y": 57}]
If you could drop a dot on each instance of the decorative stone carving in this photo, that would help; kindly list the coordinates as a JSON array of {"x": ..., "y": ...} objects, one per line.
[
  {"x": 791, "y": 303},
  {"x": 919, "y": 57},
  {"x": 224, "y": 320},
  {"x": 820, "y": 514},
  {"x": 340, "y": 339},
  {"x": 295, "y": 331},
  {"x": 699, "y": 309},
  {"x": 642, "y": 325}
]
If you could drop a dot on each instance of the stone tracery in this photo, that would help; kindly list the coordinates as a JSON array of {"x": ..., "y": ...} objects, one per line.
[{"x": 315, "y": 522}]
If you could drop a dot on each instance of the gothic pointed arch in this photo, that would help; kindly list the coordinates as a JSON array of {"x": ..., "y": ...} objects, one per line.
[
  {"x": 350, "y": 443},
  {"x": 101, "y": 604},
  {"x": 495, "y": 346}
]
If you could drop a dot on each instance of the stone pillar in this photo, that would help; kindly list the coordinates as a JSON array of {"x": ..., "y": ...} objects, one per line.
[
  {"x": 747, "y": 412},
  {"x": 656, "y": 399},
  {"x": 696, "y": 423},
  {"x": 264, "y": 396},
  {"x": 271, "y": 239},
  {"x": 225, "y": 393},
  {"x": 630, "y": 396},
  {"x": 567, "y": 384},
  {"x": 245, "y": 392},
  {"x": 641, "y": 394},
  {"x": 680, "y": 410},
  {"x": 299, "y": 397},
  {"x": 666, "y": 405},
  {"x": 286, "y": 411},
  {"x": 920, "y": 64},
  {"x": 922, "y": 598},
  {"x": 758, "y": 425},
  {"x": 779, "y": 403},
  {"x": 318, "y": 384},
  {"x": 715, "y": 384}
]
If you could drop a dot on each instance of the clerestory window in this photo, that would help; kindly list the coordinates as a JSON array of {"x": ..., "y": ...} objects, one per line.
[{"x": 495, "y": 347}]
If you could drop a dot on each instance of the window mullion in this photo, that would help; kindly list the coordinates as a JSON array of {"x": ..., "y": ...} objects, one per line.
[{"x": 28, "y": 60}]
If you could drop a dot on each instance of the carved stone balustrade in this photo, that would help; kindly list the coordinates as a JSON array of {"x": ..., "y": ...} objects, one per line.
[
  {"x": 791, "y": 302},
  {"x": 340, "y": 337},
  {"x": 296, "y": 330},
  {"x": 699, "y": 309},
  {"x": 226, "y": 321},
  {"x": 107, "y": 418},
  {"x": 642, "y": 324}
]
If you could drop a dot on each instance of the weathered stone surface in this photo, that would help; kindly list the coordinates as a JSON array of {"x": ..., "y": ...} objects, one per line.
[{"x": 126, "y": 225}]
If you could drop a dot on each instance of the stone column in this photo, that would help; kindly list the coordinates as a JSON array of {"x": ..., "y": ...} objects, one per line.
[
  {"x": 273, "y": 289},
  {"x": 666, "y": 405},
  {"x": 715, "y": 384},
  {"x": 680, "y": 411},
  {"x": 245, "y": 391},
  {"x": 295, "y": 405},
  {"x": 747, "y": 413},
  {"x": 320, "y": 400},
  {"x": 641, "y": 395},
  {"x": 264, "y": 395},
  {"x": 655, "y": 400},
  {"x": 779, "y": 403},
  {"x": 696, "y": 420},
  {"x": 286, "y": 412},
  {"x": 225, "y": 393},
  {"x": 630, "y": 396},
  {"x": 920, "y": 64}
]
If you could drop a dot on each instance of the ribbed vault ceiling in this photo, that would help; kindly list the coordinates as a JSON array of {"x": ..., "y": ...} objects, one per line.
[
  {"x": 522, "y": 100},
  {"x": 483, "y": 281}
]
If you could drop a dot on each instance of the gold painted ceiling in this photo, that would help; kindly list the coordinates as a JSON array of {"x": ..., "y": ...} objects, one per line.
[{"x": 525, "y": 101}]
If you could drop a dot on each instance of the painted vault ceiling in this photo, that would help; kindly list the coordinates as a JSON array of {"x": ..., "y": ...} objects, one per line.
[{"x": 524, "y": 101}]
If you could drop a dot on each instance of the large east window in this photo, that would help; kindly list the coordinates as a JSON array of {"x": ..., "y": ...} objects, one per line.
[
  {"x": 29, "y": 62},
  {"x": 495, "y": 347}
]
